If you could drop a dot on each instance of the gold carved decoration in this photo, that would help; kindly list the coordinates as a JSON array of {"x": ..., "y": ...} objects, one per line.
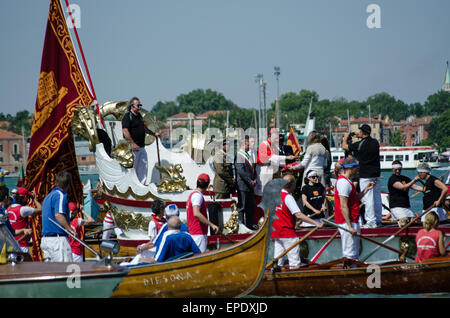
[
  {"x": 232, "y": 226},
  {"x": 127, "y": 220},
  {"x": 123, "y": 154},
  {"x": 172, "y": 180},
  {"x": 115, "y": 192},
  {"x": 85, "y": 121}
]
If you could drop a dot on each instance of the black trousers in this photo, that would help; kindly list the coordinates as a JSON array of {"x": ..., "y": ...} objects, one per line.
[{"x": 246, "y": 207}]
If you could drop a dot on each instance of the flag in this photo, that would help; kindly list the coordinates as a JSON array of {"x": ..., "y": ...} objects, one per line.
[
  {"x": 21, "y": 177},
  {"x": 61, "y": 87},
  {"x": 293, "y": 142}
]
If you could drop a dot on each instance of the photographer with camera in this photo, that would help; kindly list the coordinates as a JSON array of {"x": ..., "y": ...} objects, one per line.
[{"x": 367, "y": 151}]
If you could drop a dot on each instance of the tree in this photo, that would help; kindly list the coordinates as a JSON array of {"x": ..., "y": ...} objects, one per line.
[
  {"x": 439, "y": 130},
  {"x": 396, "y": 139},
  {"x": 437, "y": 103}
]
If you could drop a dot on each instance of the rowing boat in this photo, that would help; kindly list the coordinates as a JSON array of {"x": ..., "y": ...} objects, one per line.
[
  {"x": 22, "y": 278},
  {"x": 339, "y": 278},
  {"x": 231, "y": 271}
]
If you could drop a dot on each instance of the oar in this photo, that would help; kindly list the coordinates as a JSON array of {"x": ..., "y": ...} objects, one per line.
[
  {"x": 99, "y": 231},
  {"x": 398, "y": 232},
  {"x": 314, "y": 259},
  {"x": 364, "y": 237},
  {"x": 77, "y": 239},
  {"x": 295, "y": 244}
]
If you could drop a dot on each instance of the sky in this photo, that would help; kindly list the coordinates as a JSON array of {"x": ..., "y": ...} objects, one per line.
[{"x": 159, "y": 49}]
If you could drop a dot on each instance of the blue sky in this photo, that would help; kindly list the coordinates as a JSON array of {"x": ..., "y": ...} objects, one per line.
[{"x": 158, "y": 49}]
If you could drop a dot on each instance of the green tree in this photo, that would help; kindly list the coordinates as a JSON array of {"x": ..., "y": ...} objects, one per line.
[
  {"x": 437, "y": 103},
  {"x": 439, "y": 130},
  {"x": 396, "y": 139}
]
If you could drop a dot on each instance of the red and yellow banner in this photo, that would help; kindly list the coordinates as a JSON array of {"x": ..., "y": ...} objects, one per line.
[
  {"x": 293, "y": 142},
  {"x": 61, "y": 88}
]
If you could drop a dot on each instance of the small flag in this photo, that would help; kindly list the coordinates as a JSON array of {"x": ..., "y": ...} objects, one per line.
[
  {"x": 293, "y": 142},
  {"x": 21, "y": 178}
]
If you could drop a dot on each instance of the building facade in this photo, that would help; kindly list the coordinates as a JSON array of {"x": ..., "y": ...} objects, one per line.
[{"x": 13, "y": 151}]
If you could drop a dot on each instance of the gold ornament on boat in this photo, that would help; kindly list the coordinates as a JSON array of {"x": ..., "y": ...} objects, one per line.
[
  {"x": 123, "y": 154},
  {"x": 172, "y": 179},
  {"x": 127, "y": 220},
  {"x": 85, "y": 122},
  {"x": 232, "y": 226}
]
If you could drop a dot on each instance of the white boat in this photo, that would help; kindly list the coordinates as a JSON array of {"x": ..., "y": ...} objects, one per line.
[
  {"x": 172, "y": 175},
  {"x": 409, "y": 156}
]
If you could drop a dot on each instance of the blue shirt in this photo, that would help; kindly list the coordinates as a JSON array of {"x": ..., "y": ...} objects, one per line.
[
  {"x": 157, "y": 240},
  {"x": 7, "y": 223},
  {"x": 175, "y": 243},
  {"x": 54, "y": 202}
]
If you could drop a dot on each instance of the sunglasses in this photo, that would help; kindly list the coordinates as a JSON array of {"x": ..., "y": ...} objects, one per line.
[{"x": 314, "y": 177}]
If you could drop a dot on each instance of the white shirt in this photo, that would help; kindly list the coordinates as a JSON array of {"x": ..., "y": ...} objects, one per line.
[
  {"x": 344, "y": 188},
  {"x": 24, "y": 210},
  {"x": 197, "y": 199},
  {"x": 290, "y": 202},
  {"x": 152, "y": 232}
]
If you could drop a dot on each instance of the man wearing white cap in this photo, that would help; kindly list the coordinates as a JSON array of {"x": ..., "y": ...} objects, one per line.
[
  {"x": 434, "y": 192},
  {"x": 398, "y": 186}
]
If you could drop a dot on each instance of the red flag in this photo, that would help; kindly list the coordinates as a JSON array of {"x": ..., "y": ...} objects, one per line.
[
  {"x": 293, "y": 142},
  {"x": 61, "y": 88}
]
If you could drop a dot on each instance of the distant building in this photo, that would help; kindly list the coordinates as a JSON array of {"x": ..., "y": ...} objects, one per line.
[
  {"x": 13, "y": 151},
  {"x": 85, "y": 158}
]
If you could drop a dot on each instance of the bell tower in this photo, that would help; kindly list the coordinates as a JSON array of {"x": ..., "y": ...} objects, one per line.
[{"x": 446, "y": 86}]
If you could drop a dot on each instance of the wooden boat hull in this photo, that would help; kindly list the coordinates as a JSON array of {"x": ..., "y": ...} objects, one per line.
[
  {"x": 59, "y": 280},
  {"x": 228, "y": 272},
  {"x": 432, "y": 276}
]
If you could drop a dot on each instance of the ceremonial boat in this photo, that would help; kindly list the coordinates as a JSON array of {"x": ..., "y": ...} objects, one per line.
[
  {"x": 231, "y": 271},
  {"x": 339, "y": 278},
  {"x": 172, "y": 173}
]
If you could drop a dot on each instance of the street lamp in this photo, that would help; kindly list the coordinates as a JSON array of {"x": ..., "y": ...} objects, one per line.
[
  {"x": 277, "y": 106},
  {"x": 259, "y": 80}
]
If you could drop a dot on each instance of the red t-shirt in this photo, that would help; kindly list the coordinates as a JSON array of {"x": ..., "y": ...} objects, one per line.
[
  {"x": 427, "y": 244},
  {"x": 353, "y": 204},
  {"x": 284, "y": 226},
  {"x": 194, "y": 225},
  {"x": 77, "y": 248}
]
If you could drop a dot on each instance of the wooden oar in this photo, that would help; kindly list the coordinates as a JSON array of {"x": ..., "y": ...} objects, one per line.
[
  {"x": 398, "y": 232},
  {"x": 295, "y": 244},
  {"x": 99, "y": 231},
  {"x": 364, "y": 237},
  {"x": 314, "y": 259}
]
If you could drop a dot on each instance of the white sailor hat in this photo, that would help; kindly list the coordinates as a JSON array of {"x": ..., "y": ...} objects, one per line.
[{"x": 172, "y": 210}]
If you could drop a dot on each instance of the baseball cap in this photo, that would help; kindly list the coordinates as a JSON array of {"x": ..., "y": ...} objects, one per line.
[
  {"x": 203, "y": 178},
  {"x": 365, "y": 129},
  {"x": 72, "y": 206},
  {"x": 23, "y": 192},
  {"x": 172, "y": 210}
]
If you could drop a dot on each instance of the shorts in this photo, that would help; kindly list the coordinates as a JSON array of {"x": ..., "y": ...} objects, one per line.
[{"x": 56, "y": 249}]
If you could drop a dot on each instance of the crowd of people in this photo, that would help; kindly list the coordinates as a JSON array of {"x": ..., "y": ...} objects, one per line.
[{"x": 357, "y": 198}]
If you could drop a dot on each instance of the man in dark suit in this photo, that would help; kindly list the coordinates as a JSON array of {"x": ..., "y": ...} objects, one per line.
[{"x": 246, "y": 182}]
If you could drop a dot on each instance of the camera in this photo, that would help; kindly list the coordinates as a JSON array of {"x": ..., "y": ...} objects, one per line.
[{"x": 352, "y": 134}]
